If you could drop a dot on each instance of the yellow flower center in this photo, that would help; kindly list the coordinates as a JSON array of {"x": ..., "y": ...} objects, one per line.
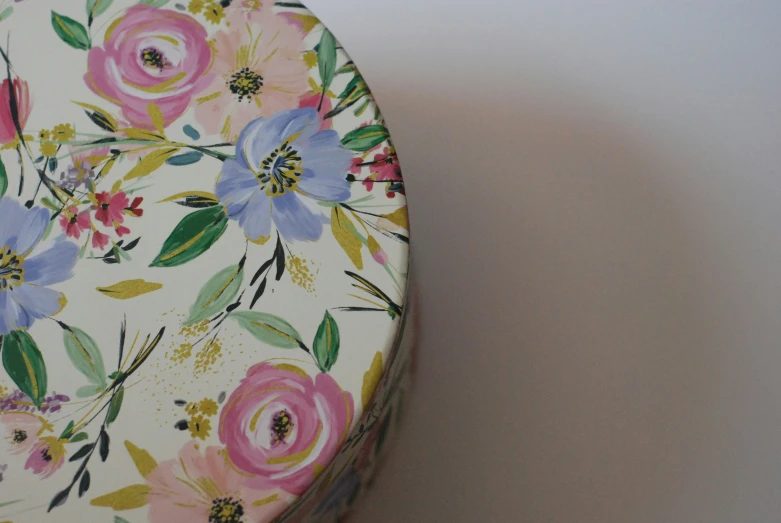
[
  {"x": 11, "y": 269},
  {"x": 154, "y": 59},
  {"x": 19, "y": 436},
  {"x": 226, "y": 510},
  {"x": 280, "y": 171},
  {"x": 281, "y": 427},
  {"x": 245, "y": 83}
]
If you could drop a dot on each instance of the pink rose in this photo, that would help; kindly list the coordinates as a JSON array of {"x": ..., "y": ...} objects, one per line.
[
  {"x": 284, "y": 427},
  {"x": 151, "y": 56}
]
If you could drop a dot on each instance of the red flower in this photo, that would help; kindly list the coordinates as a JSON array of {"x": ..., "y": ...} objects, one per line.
[
  {"x": 110, "y": 207},
  {"x": 122, "y": 230},
  {"x": 23, "y": 104},
  {"x": 356, "y": 167},
  {"x": 384, "y": 168},
  {"x": 99, "y": 240},
  {"x": 73, "y": 222},
  {"x": 134, "y": 210}
]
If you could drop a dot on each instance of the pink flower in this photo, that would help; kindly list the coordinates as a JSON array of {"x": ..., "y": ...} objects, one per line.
[
  {"x": 47, "y": 455},
  {"x": 150, "y": 56},
  {"x": 110, "y": 208},
  {"x": 312, "y": 99},
  {"x": 122, "y": 230},
  {"x": 134, "y": 208},
  {"x": 380, "y": 256},
  {"x": 259, "y": 71},
  {"x": 73, "y": 222},
  {"x": 24, "y": 106},
  {"x": 204, "y": 486},
  {"x": 384, "y": 168},
  {"x": 283, "y": 426},
  {"x": 22, "y": 430},
  {"x": 99, "y": 240}
]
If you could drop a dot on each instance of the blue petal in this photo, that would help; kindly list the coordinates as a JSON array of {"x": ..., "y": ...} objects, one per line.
[
  {"x": 36, "y": 301},
  {"x": 12, "y": 315},
  {"x": 53, "y": 265},
  {"x": 21, "y": 229},
  {"x": 262, "y": 136},
  {"x": 295, "y": 220},
  {"x": 325, "y": 188},
  {"x": 325, "y": 164},
  {"x": 256, "y": 217},
  {"x": 235, "y": 187}
]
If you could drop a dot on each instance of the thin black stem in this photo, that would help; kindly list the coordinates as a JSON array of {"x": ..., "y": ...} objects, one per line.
[{"x": 21, "y": 169}]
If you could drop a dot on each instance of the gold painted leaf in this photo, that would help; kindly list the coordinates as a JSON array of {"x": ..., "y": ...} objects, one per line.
[
  {"x": 141, "y": 134},
  {"x": 150, "y": 163},
  {"x": 191, "y": 194},
  {"x": 110, "y": 120},
  {"x": 343, "y": 230},
  {"x": 128, "y": 498},
  {"x": 143, "y": 460},
  {"x": 156, "y": 115},
  {"x": 373, "y": 245},
  {"x": 399, "y": 217},
  {"x": 371, "y": 379},
  {"x": 128, "y": 289}
]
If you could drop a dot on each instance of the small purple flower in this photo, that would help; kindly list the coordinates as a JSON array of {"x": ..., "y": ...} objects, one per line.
[
  {"x": 283, "y": 164},
  {"x": 18, "y": 401},
  {"x": 24, "y": 274}
]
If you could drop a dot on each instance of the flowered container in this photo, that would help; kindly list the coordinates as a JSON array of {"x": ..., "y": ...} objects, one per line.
[{"x": 203, "y": 265}]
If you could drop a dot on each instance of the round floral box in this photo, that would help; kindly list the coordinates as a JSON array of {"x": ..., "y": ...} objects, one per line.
[{"x": 203, "y": 265}]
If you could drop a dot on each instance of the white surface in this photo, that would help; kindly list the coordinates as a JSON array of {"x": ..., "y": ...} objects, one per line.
[{"x": 596, "y": 202}]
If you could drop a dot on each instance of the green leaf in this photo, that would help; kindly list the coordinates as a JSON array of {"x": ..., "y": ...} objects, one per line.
[
  {"x": 118, "y": 519},
  {"x": 365, "y": 138},
  {"x": 326, "y": 344},
  {"x": 71, "y": 32},
  {"x": 24, "y": 364},
  {"x": 82, "y": 452},
  {"x": 181, "y": 160},
  {"x": 81, "y": 436},
  {"x": 155, "y": 3},
  {"x": 191, "y": 132},
  {"x": 85, "y": 355},
  {"x": 88, "y": 390},
  {"x": 95, "y": 8},
  {"x": 326, "y": 58},
  {"x": 84, "y": 483},
  {"x": 268, "y": 328},
  {"x": 116, "y": 404},
  {"x": 66, "y": 434},
  {"x": 192, "y": 237},
  {"x": 8, "y": 11},
  {"x": 3, "y": 179},
  {"x": 217, "y": 294}
]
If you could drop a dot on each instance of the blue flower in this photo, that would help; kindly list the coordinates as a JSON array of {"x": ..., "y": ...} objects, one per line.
[
  {"x": 284, "y": 163},
  {"x": 24, "y": 275}
]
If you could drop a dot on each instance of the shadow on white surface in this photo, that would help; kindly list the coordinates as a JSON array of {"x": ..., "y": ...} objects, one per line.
[
  {"x": 558, "y": 281},
  {"x": 594, "y": 196}
]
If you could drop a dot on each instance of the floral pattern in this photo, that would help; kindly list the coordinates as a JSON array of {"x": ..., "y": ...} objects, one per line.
[
  {"x": 280, "y": 163},
  {"x": 281, "y": 425},
  {"x": 204, "y": 252}
]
